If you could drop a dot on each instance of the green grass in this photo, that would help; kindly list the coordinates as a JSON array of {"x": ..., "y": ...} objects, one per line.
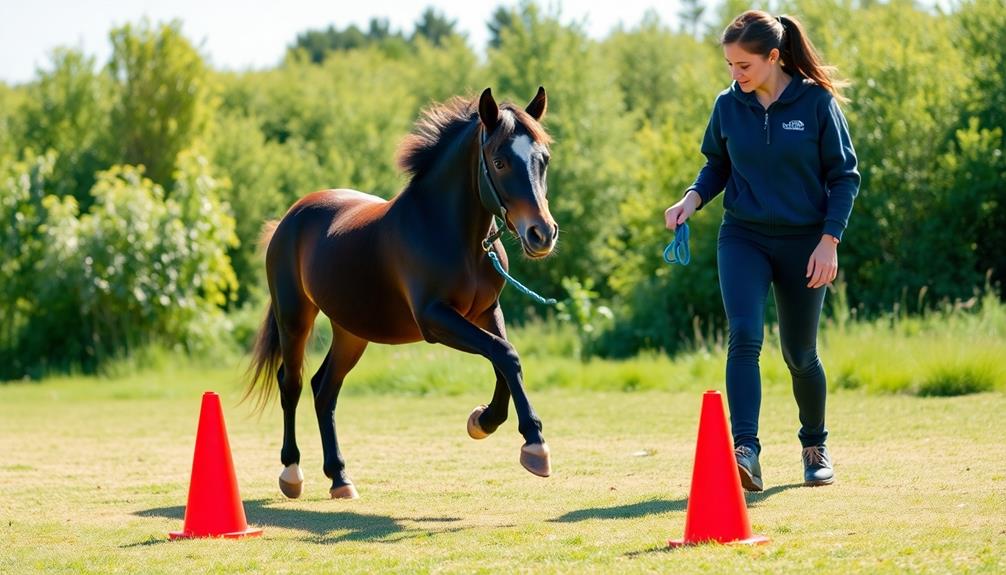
[
  {"x": 95, "y": 474},
  {"x": 951, "y": 351}
]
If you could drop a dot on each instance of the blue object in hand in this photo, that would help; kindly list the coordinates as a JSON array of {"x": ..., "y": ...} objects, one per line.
[{"x": 677, "y": 252}]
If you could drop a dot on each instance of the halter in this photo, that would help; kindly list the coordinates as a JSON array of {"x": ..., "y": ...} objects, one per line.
[{"x": 490, "y": 196}]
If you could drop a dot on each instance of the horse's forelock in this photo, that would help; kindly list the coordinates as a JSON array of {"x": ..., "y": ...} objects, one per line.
[
  {"x": 510, "y": 117},
  {"x": 533, "y": 127}
]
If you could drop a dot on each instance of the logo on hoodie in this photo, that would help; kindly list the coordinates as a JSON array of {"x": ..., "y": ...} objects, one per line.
[{"x": 795, "y": 125}]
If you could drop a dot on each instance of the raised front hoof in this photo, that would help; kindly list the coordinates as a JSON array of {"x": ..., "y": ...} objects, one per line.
[
  {"x": 347, "y": 491},
  {"x": 535, "y": 458},
  {"x": 475, "y": 430},
  {"x": 291, "y": 481}
]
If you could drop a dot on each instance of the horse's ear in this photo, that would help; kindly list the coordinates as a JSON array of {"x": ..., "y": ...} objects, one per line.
[
  {"x": 536, "y": 109},
  {"x": 489, "y": 112}
]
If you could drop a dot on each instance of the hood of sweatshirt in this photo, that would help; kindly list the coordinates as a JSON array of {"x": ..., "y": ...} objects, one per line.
[{"x": 797, "y": 86}]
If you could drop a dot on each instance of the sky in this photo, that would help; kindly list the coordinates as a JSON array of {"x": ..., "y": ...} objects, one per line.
[{"x": 240, "y": 35}]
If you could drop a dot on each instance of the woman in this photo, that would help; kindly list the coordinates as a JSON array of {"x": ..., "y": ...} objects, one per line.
[{"x": 779, "y": 143}]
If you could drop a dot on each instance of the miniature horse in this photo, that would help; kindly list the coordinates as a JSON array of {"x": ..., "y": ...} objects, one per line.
[{"x": 410, "y": 268}]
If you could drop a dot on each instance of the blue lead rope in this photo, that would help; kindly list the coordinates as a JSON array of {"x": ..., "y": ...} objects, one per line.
[
  {"x": 677, "y": 252},
  {"x": 499, "y": 267}
]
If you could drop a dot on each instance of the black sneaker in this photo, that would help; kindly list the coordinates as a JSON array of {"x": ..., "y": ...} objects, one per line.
[
  {"x": 748, "y": 467},
  {"x": 817, "y": 469}
]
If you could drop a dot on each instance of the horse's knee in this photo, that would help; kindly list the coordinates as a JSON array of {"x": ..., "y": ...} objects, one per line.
[{"x": 507, "y": 359}]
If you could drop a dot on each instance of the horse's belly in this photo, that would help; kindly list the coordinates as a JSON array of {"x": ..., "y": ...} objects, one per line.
[
  {"x": 385, "y": 322},
  {"x": 365, "y": 304}
]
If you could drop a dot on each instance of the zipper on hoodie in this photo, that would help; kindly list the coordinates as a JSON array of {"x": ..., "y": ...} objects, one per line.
[{"x": 765, "y": 127}]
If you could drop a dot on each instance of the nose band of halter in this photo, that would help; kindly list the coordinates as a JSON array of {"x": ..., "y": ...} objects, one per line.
[{"x": 488, "y": 193}]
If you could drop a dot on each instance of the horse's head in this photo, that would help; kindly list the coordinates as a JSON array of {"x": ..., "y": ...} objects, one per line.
[{"x": 514, "y": 158}]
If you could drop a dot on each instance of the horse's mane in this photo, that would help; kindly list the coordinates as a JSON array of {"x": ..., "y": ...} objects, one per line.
[{"x": 441, "y": 123}]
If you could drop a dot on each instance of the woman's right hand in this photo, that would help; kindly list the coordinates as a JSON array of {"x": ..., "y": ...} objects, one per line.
[{"x": 676, "y": 215}]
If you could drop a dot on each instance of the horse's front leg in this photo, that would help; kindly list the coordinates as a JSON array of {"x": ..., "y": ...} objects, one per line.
[
  {"x": 441, "y": 323},
  {"x": 485, "y": 419}
]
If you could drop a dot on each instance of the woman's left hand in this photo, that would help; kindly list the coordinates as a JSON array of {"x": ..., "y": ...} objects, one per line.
[{"x": 822, "y": 268}]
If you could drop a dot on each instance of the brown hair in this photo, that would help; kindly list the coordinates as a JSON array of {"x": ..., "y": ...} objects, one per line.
[{"x": 758, "y": 33}]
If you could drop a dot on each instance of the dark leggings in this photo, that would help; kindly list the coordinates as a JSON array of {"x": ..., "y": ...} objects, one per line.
[{"x": 749, "y": 262}]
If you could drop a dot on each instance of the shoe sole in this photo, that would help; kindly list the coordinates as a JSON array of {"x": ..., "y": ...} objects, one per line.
[
  {"x": 748, "y": 481},
  {"x": 819, "y": 482}
]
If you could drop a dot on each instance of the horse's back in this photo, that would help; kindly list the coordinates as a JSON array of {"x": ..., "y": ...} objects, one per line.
[
  {"x": 345, "y": 207},
  {"x": 321, "y": 214},
  {"x": 337, "y": 243}
]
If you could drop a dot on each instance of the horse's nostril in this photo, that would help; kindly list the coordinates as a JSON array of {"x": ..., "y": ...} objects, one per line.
[{"x": 535, "y": 235}]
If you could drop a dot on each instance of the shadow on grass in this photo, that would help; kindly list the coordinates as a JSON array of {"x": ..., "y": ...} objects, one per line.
[
  {"x": 655, "y": 506},
  {"x": 632, "y": 510},
  {"x": 324, "y": 526},
  {"x": 751, "y": 499}
]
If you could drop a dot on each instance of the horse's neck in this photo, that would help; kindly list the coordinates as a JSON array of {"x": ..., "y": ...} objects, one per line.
[{"x": 449, "y": 189}]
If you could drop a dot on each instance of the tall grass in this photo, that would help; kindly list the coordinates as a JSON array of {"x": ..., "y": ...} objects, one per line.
[
  {"x": 951, "y": 349},
  {"x": 954, "y": 349}
]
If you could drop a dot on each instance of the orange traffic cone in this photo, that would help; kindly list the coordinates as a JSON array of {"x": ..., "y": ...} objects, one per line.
[
  {"x": 716, "y": 508},
  {"x": 214, "y": 508}
]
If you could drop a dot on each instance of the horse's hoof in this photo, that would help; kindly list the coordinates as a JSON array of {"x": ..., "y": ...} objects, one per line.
[
  {"x": 535, "y": 458},
  {"x": 344, "y": 492},
  {"x": 475, "y": 431},
  {"x": 291, "y": 481}
]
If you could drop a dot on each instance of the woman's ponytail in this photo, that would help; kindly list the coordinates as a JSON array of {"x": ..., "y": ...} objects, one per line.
[{"x": 799, "y": 55}]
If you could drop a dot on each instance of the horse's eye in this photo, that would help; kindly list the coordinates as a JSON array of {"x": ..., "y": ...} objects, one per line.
[{"x": 498, "y": 164}]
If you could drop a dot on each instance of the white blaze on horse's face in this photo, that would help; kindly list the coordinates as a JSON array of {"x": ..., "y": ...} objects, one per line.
[{"x": 527, "y": 189}]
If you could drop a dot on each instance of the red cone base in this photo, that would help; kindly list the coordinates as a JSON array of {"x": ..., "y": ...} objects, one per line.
[
  {"x": 716, "y": 508},
  {"x": 237, "y": 535},
  {"x": 753, "y": 540},
  {"x": 214, "y": 507}
]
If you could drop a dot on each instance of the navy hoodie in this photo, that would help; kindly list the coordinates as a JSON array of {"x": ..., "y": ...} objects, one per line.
[{"x": 789, "y": 169}]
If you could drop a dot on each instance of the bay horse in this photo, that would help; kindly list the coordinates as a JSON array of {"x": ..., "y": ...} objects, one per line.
[{"x": 412, "y": 268}]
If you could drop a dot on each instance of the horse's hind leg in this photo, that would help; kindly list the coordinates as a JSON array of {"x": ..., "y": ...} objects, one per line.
[
  {"x": 294, "y": 319},
  {"x": 345, "y": 352}
]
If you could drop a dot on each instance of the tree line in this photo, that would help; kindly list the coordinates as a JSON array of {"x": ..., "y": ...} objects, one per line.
[{"x": 133, "y": 191}]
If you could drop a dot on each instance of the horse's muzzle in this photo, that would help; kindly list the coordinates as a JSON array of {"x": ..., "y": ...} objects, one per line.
[{"x": 538, "y": 241}]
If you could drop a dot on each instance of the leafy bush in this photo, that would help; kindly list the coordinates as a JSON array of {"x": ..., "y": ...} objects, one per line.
[{"x": 137, "y": 268}]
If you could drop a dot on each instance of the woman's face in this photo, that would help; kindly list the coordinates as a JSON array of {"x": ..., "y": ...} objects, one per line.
[{"x": 751, "y": 71}]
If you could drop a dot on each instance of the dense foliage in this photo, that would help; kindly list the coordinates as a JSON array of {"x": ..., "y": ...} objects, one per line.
[{"x": 132, "y": 194}]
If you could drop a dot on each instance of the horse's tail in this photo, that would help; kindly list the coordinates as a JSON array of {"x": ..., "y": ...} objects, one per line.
[
  {"x": 266, "y": 358},
  {"x": 266, "y": 354}
]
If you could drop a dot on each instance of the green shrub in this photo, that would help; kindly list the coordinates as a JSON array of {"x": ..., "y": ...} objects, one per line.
[{"x": 957, "y": 380}]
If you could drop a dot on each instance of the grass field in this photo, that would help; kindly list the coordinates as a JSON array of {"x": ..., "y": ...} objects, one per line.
[{"x": 95, "y": 472}]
